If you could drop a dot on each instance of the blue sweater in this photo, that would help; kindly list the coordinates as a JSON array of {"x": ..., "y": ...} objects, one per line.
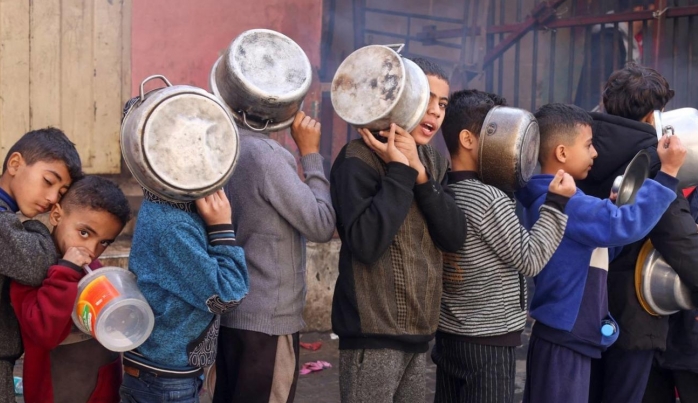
[
  {"x": 570, "y": 301},
  {"x": 189, "y": 277}
]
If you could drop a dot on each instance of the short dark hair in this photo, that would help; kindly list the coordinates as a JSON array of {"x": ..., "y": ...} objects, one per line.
[
  {"x": 467, "y": 109},
  {"x": 100, "y": 194},
  {"x": 430, "y": 68},
  {"x": 558, "y": 124},
  {"x": 48, "y": 145},
  {"x": 634, "y": 91}
]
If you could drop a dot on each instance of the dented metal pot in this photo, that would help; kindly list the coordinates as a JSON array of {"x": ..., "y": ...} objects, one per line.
[
  {"x": 179, "y": 141},
  {"x": 375, "y": 86}
]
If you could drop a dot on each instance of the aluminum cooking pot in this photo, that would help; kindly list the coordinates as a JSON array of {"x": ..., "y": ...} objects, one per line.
[
  {"x": 263, "y": 77},
  {"x": 509, "y": 144},
  {"x": 375, "y": 86},
  {"x": 657, "y": 286},
  {"x": 179, "y": 141},
  {"x": 682, "y": 122}
]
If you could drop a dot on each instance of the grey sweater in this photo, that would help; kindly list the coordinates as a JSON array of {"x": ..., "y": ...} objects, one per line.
[
  {"x": 26, "y": 252},
  {"x": 274, "y": 212}
]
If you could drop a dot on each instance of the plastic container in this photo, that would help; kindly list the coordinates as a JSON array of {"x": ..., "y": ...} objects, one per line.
[
  {"x": 111, "y": 308},
  {"x": 608, "y": 327}
]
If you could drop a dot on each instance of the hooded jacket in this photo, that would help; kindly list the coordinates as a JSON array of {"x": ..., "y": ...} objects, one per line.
[
  {"x": 674, "y": 236},
  {"x": 570, "y": 302}
]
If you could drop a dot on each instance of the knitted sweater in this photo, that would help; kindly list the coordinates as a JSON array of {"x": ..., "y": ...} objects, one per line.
[
  {"x": 274, "y": 212},
  {"x": 484, "y": 296},
  {"x": 188, "y": 279},
  {"x": 27, "y": 252},
  {"x": 393, "y": 231}
]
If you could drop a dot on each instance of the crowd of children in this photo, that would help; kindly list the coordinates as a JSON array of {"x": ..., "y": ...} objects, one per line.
[{"x": 428, "y": 252}]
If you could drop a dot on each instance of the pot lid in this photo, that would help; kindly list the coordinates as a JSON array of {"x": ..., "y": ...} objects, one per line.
[
  {"x": 367, "y": 84},
  {"x": 271, "y": 62},
  {"x": 189, "y": 141},
  {"x": 634, "y": 176}
]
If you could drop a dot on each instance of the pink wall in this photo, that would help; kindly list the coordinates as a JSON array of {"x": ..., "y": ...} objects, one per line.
[{"x": 181, "y": 39}]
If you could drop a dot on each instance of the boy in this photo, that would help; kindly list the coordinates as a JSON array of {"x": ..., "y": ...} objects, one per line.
[
  {"x": 62, "y": 364},
  {"x": 631, "y": 96},
  {"x": 483, "y": 307},
  {"x": 395, "y": 214},
  {"x": 275, "y": 212},
  {"x": 570, "y": 303},
  {"x": 37, "y": 171}
]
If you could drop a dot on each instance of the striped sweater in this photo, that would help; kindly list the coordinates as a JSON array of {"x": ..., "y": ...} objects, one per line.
[{"x": 484, "y": 292}]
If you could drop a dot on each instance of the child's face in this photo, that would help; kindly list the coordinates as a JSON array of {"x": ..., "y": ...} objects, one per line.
[
  {"x": 580, "y": 156},
  {"x": 38, "y": 186},
  {"x": 83, "y": 227},
  {"x": 431, "y": 122}
]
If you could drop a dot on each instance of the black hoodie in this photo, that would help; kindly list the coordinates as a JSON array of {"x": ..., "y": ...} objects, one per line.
[{"x": 617, "y": 140}]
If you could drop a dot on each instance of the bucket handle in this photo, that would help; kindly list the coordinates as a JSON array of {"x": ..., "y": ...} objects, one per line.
[
  {"x": 397, "y": 47},
  {"x": 87, "y": 269},
  {"x": 244, "y": 119},
  {"x": 167, "y": 83}
]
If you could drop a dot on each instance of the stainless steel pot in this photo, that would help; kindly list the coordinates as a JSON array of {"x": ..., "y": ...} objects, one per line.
[
  {"x": 682, "y": 122},
  {"x": 509, "y": 145},
  {"x": 375, "y": 86},
  {"x": 179, "y": 142},
  {"x": 657, "y": 286},
  {"x": 263, "y": 77},
  {"x": 626, "y": 186}
]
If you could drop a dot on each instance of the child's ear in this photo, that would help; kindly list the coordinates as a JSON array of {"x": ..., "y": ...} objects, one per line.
[
  {"x": 561, "y": 154},
  {"x": 54, "y": 217},
  {"x": 14, "y": 161},
  {"x": 466, "y": 139}
]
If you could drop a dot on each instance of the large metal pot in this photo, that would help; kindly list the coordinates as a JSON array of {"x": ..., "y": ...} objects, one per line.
[
  {"x": 179, "y": 142},
  {"x": 375, "y": 86},
  {"x": 508, "y": 149},
  {"x": 263, "y": 77},
  {"x": 682, "y": 122},
  {"x": 657, "y": 286}
]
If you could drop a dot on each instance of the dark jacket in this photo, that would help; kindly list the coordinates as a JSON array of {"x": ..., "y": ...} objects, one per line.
[
  {"x": 675, "y": 237},
  {"x": 388, "y": 292},
  {"x": 26, "y": 252}
]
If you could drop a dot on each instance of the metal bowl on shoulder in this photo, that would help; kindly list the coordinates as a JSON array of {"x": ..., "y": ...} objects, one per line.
[
  {"x": 179, "y": 141},
  {"x": 375, "y": 86},
  {"x": 262, "y": 77},
  {"x": 508, "y": 149},
  {"x": 659, "y": 289}
]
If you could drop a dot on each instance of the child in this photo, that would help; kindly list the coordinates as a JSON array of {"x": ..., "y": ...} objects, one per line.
[
  {"x": 630, "y": 97},
  {"x": 190, "y": 272},
  {"x": 483, "y": 307},
  {"x": 570, "y": 303},
  {"x": 275, "y": 212},
  {"x": 62, "y": 364},
  {"x": 37, "y": 171},
  {"x": 395, "y": 214}
]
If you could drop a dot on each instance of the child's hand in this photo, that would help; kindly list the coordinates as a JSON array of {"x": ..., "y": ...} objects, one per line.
[
  {"x": 78, "y": 255},
  {"x": 306, "y": 133},
  {"x": 671, "y": 153},
  {"x": 563, "y": 184},
  {"x": 406, "y": 144},
  {"x": 388, "y": 152},
  {"x": 215, "y": 209}
]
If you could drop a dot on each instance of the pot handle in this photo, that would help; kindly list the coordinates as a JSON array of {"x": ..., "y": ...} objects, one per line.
[
  {"x": 397, "y": 47},
  {"x": 244, "y": 119},
  {"x": 167, "y": 82}
]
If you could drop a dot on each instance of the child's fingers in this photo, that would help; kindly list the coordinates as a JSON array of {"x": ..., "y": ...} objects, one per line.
[{"x": 557, "y": 180}]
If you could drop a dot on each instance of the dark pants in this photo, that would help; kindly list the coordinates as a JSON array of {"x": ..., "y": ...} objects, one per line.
[
  {"x": 555, "y": 374},
  {"x": 149, "y": 388},
  {"x": 661, "y": 384},
  {"x": 473, "y": 373},
  {"x": 620, "y": 376},
  {"x": 254, "y": 367},
  {"x": 7, "y": 385}
]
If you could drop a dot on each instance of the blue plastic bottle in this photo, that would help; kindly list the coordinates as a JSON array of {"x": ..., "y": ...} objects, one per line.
[{"x": 608, "y": 327}]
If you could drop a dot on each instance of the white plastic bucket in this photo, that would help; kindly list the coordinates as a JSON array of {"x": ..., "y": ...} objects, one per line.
[{"x": 111, "y": 308}]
